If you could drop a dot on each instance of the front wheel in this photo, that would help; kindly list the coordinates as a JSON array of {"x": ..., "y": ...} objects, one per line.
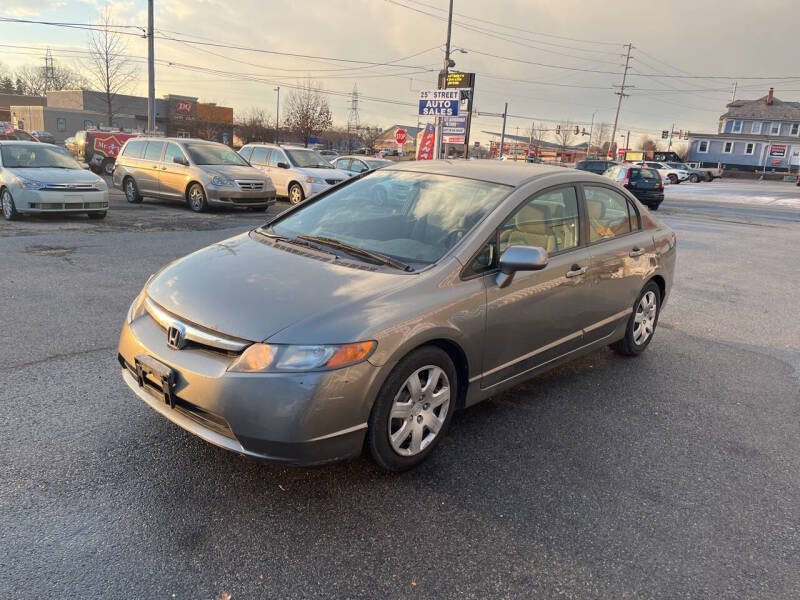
[
  {"x": 9, "y": 210},
  {"x": 673, "y": 179},
  {"x": 694, "y": 178},
  {"x": 132, "y": 191},
  {"x": 642, "y": 323},
  {"x": 296, "y": 194},
  {"x": 196, "y": 197},
  {"x": 413, "y": 409}
]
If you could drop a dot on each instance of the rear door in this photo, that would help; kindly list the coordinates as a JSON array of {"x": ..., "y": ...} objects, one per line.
[
  {"x": 259, "y": 159},
  {"x": 149, "y": 171},
  {"x": 621, "y": 252},
  {"x": 280, "y": 177}
]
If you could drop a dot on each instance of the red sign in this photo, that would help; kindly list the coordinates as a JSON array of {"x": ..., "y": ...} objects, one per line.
[
  {"x": 426, "y": 143},
  {"x": 184, "y": 107},
  {"x": 777, "y": 150},
  {"x": 109, "y": 144},
  {"x": 6, "y": 128},
  {"x": 400, "y": 136}
]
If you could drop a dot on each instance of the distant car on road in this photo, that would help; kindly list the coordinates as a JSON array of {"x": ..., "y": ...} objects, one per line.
[
  {"x": 643, "y": 182},
  {"x": 196, "y": 172},
  {"x": 695, "y": 175},
  {"x": 354, "y": 165},
  {"x": 44, "y": 136},
  {"x": 40, "y": 178},
  {"x": 346, "y": 325},
  {"x": 673, "y": 175},
  {"x": 595, "y": 166},
  {"x": 328, "y": 154},
  {"x": 298, "y": 173}
]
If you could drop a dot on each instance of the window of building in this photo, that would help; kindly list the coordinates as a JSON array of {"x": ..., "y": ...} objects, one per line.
[
  {"x": 756, "y": 128},
  {"x": 549, "y": 220},
  {"x": 795, "y": 128},
  {"x": 749, "y": 148},
  {"x": 87, "y": 124},
  {"x": 609, "y": 213},
  {"x": 61, "y": 124},
  {"x": 702, "y": 146},
  {"x": 727, "y": 147},
  {"x": 182, "y": 133},
  {"x": 737, "y": 127},
  {"x": 775, "y": 128}
]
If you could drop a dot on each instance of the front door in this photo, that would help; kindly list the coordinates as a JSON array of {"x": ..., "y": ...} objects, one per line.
[
  {"x": 540, "y": 315},
  {"x": 149, "y": 171},
  {"x": 174, "y": 176},
  {"x": 621, "y": 254},
  {"x": 280, "y": 177}
]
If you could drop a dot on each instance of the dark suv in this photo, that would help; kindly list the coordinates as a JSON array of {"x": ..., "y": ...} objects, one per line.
[
  {"x": 595, "y": 166},
  {"x": 642, "y": 182}
]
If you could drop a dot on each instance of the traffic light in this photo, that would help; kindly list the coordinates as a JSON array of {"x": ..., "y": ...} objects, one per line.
[
  {"x": 664, "y": 134},
  {"x": 558, "y": 129},
  {"x": 577, "y": 130},
  {"x": 686, "y": 134}
]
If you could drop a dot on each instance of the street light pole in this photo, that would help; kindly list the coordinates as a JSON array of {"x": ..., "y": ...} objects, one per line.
[
  {"x": 503, "y": 134},
  {"x": 446, "y": 70},
  {"x": 277, "y": 113},
  {"x": 151, "y": 72},
  {"x": 621, "y": 94}
]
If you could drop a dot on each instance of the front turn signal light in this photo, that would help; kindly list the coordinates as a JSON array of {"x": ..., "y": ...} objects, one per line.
[{"x": 350, "y": 353}]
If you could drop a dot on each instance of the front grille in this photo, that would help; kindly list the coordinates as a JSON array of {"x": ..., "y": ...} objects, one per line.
[
  {"x": 68, "y": 205},
  {"x": 69, "y": 187},
  {"x": 250, "y": 186},
  {"x": 332, "y": 181}
]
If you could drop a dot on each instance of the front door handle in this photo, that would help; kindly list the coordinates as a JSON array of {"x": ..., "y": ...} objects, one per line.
[
  {"x": 636, "y": 252},
  {"x": 575, "y": 271}
]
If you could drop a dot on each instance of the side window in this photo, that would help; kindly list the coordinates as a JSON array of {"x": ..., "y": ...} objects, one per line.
[
  {"x": 549, "y": 220},
  {"x": 259, "y": 156},
  {"x": 245, "y": 152},
  {"x": 153, "y": 151},
  {"x": 633, "y": 214},
  {"x": 134, "y": 149},
  {"x": 485, "y": 260},
  {"x": 359, "y": 166},
  {"x": 343, "y": 163},
  {"x": 173, "y": 150},
  {"x": 607, "y": 211},
  {"x": 275, "y": 157}
]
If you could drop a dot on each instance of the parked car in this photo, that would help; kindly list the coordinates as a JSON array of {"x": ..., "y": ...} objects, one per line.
[
  {"x": 354, "y": 165},
  {"x": 343, "y": 325},
  {"x": 99, "y": 149},
  {"x": 695, "y": 175},
  {"x": 329, "y": 155},
  {"x": 595, "y": 166},
  {"x": 9, "y": 133},
  {"x": 42, "y": 178},
  {"x": 196, "y": 172},
  {"x": 390, "y": 152},
  {"x": 711, "y": 173},
  {"x": 667, "y": 173},
  {"x": 298, "y": 173},
  {"x": 44, "y": 136},
  {"x": 643, "y": 182}
]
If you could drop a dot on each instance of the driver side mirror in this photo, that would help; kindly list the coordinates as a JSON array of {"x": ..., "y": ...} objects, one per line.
[
  {"x": 180, "y": 160},
  {"x": 520, "y": 258},
  {"x": 283, "y": 165}
]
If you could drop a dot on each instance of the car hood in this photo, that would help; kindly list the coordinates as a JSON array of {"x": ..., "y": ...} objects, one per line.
[
  {"x": 44, "y": 175},
  {"x": 251, "y": 287},
  {"x": 234, "y": 171},
  {"x": 324, "y": 173}
]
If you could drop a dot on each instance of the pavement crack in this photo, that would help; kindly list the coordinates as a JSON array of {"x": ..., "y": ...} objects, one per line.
[{"x": 54, "y": 357}]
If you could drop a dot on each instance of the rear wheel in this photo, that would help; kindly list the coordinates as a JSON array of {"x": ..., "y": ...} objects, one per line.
[
  {"x": 413, "y": 409},
  {"x": 694, "y": 178},
  {"x": 296, "y": 194},
  {"x": 642, "y": 324},
  {"x": 196, "y": 198},
  {"x": 107, "y": 168},
  {"x": 131, "y": 191},
  {"x": 9, "y": 210}
]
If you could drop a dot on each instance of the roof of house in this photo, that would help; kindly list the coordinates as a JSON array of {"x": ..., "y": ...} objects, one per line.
[
  {"x": 743, "y": 137},
  {"x": 759, "y": 109}
]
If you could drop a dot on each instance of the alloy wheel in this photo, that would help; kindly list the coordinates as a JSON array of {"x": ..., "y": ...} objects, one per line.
[
  {"x": 644, "y": 322},
  {"x": 130, "y": 190},
  {"x": 295, "y": 195},
  {"x": 7, "y": 205},
  {"x": 196, "y": 198},
  {"x": 419, "y": 410}
]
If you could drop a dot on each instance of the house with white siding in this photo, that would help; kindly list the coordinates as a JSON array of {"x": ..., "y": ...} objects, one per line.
[{"x": 761, "y": 134}]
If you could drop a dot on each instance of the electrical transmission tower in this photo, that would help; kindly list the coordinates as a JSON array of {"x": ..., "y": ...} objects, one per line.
[
  {"x": 352, "y": 118},
  {"x": 49, "y": 72}
]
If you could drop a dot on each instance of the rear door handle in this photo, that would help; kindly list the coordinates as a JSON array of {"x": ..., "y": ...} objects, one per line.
[
  {"x": 575, "y": 271},
  {"x": 636, "y": 252}
]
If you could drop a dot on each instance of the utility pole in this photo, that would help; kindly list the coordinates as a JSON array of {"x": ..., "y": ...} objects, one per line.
[
  {"x": 503, "y": 134},
  {"x": 49, "y": 71},
  {"x": 621, "y": 93},
  {"x": 445, "y": 72},
  {"x": 628, "y": 140},
  {"x": 733, "y": 96},
  {"x": 591, "y": 129},
  {"x": 671, "y": 133},
  {"x": 277, "y": 113},
  {"x": 151, "y": 72}
]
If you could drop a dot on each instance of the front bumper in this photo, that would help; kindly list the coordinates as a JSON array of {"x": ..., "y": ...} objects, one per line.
[
  {"x": 298, "y": 418},
  {"x": 35, "y": 201},
  {"x": 314, "y": 188},
  {"x": 233, "y": 196}
]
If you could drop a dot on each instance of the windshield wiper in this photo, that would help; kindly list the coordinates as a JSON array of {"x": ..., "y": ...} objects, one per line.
[
  {"x": 375, "y": 256},
  {"x": 289, "y": 240}
]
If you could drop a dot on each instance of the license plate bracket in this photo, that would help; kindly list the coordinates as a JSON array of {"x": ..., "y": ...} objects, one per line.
[{"x": 165, "y": 375}]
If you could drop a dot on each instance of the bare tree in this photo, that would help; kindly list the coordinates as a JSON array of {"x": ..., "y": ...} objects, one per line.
[
  {"x": 33, "y": 80},
  {"x": 600, "y": 137},
  {"x": 648, "y": 144},
  {"x": 109, "y": 69},
  {"x": 564, "y": 136},
  {"x": 254, "y": 126},
  {"x": 536, "y": 136},
  {"x": 307, "y": 111},
  {"x": 369, "y": 135}
]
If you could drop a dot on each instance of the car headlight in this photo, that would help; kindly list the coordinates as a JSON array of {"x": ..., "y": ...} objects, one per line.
[
  {"x": 137, "y": 308},
  {"x": 219, "y": 179},
  {"x": 29, "y": 184},
  {"x": 263, "y": 358}
]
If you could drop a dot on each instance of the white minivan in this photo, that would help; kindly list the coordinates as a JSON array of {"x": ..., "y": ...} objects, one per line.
[{"x": 296, "y": 172}]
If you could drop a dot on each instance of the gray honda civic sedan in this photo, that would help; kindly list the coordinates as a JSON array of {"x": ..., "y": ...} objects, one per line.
[{"x": 364, "y": 317}]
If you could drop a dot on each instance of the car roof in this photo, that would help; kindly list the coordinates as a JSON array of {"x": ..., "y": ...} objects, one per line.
[
  {"x": 168, "y": 139},
  {"x": 494, "y": 171}
]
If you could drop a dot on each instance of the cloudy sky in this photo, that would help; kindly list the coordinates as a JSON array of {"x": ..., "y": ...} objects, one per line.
[{"x": 551, "y": 61}]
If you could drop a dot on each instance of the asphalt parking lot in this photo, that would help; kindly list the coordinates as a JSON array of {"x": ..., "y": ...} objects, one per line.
[{"x": 672, "y": 475}]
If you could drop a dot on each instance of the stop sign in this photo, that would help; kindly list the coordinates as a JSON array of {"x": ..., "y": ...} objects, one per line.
[{"x": 400, "y": 136}]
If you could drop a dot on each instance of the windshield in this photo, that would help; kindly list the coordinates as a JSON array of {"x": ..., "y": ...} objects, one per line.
[
  {"x": 678, "y": 166},
  {"x": 33, "y": 156},
  {"x": 213, "y": 154},
  {"x": 412, "y": 217},
  {"x": 302, "y": 157},
  {"x": 643, "y": 173},
  {"x": 377, "y": 164}
]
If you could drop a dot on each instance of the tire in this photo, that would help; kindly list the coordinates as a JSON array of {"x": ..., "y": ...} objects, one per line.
[
  {"x": 97, "y": 215},
  {"x": 694, "y": 178},
  {"x": 296, "y": 194},
  {"x": 653, "y": 206},
  {"x": 636, "y": 340},
  {"x": 196, "y": 198},
  {"x": 131, "y": 190},
  {"x": 673, "y": 179},
  {"x": 415, "y": 417},
  {"x": 9, "y": 209},
  {"x": 107, "y": 167}
]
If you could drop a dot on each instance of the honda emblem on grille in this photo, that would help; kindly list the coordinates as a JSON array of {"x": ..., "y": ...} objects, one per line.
[{"x": 176, "y": 336}]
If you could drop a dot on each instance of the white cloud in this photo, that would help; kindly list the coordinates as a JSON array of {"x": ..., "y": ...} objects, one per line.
[{"x": 30, "y": 8}]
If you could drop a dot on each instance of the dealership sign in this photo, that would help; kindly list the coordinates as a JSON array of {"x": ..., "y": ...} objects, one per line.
[
  {"x": 426, "y": 143},
  {"x": 777, "y": 150},
  {"x": 439, "y": 103}
]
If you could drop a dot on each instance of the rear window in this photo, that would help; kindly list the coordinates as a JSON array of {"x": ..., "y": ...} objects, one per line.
[
  {"x": 134, "y": 149},
  {"x": 643, "y": 174}
]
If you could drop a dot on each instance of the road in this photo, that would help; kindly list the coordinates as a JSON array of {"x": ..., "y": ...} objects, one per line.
[{"x": 672, "y": 475}]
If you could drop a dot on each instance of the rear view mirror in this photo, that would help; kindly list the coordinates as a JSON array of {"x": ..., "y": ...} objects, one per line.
[
  {"x": 520, "y": 258},
  {"x": 180, "y": 160},
  {"x": 283, "y": 165}
]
